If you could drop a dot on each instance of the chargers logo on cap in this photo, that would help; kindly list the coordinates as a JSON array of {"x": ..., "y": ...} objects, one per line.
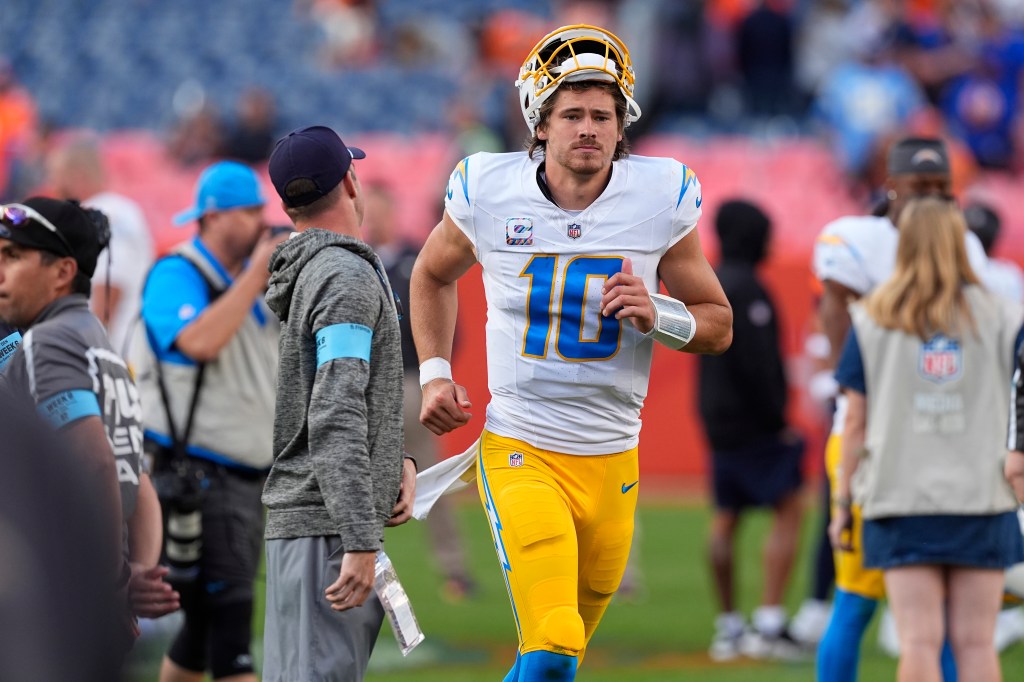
[
  {"x": 519, "y": 231},
  {"x": 926, "y": 156},
  {"x": 941, "y": 360}
]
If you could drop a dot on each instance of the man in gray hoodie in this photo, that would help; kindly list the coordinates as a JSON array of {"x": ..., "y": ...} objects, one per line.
[{"x": 338, "y": 442}]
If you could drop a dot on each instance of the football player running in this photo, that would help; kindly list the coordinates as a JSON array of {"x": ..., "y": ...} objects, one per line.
[{"x": 573, "y": 237}]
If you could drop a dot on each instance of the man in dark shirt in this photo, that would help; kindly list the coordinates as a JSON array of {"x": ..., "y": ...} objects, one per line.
[
  {"x": 65, "y": 368},
  {"x": 755, "y": 458}
]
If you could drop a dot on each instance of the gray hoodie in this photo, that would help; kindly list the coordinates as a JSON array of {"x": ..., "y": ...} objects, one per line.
[{"x": 338, "y": 440}]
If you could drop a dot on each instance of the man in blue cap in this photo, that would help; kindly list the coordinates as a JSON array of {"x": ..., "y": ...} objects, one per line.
[{"x": 207, "y": 370}]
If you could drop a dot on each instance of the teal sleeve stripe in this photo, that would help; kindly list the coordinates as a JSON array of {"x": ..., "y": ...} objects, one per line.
[
  {"x": 343, "y": 341},
  {"x": 8, "y": 345},
  {"x": 69, "y": 406}
]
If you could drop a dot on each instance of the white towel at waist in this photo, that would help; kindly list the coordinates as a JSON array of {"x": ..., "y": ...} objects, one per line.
[{"x": 454, "y": 473}]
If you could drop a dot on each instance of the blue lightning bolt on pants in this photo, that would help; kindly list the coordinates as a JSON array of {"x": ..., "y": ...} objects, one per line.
[{"x": 562, "y": 527}]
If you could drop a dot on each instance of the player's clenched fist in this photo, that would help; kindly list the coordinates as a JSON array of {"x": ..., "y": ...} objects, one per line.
[{"x": 444, "y": 406}]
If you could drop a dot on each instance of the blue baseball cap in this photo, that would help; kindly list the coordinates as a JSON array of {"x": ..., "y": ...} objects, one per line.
[
  {"x": 221, "y": 187},
  {"x": 314, "y": 153}
]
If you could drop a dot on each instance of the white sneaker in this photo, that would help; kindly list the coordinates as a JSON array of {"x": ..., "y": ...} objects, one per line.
[
  {"x": 809, "y": 624},
  {"x": 1009, "y": 627},
  {"x": 888, "y": 638},
  {"x": 725, "y": 646},
  {"x": 781, "y": 647}
]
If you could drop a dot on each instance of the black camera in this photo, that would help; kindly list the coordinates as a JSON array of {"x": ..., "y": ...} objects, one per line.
[{"x": 180, "y": 487}]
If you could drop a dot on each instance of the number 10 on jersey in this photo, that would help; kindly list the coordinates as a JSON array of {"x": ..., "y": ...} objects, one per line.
[{"x": 571, "y": 310}]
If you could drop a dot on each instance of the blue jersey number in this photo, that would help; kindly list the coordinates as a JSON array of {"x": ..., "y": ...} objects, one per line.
[{"x": 571, "y": 342}]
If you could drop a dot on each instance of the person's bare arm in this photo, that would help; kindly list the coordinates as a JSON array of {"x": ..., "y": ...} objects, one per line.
[
  {"x": 145, "y": 527},
  {"x": 689, "y": 278},
  {"x": 433, "y": 307},
  {"x": 1014, "y": 470},
  {"x": 402, "y": 511},
  {"x": 835, "y": 316},
  {"x": 205, "y": 337},
  {"x": 852, "y": 445},
  {"x": 151, "y": 597}
]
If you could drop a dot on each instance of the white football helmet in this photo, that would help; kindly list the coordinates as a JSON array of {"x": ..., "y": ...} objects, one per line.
[{"x": 574, "y": 53}]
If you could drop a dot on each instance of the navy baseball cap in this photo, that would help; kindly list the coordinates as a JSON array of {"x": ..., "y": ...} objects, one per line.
[
  {"x": 222, "y": 187},
  {"x": 315, "y": 153}
]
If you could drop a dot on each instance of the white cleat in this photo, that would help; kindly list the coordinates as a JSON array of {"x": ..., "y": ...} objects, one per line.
[
  {"x": 810, "y": 622},
  {"x": 888, "y": 638},
  {"x": 1009, "y": 627}
]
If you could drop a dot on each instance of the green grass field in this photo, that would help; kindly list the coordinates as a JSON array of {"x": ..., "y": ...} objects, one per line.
[{"x": 662, "y": 636}]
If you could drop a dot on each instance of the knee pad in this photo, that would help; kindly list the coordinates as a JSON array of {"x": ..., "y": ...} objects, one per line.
[
  {"x": 562, "y": 631},
  {"x": 230, "y": 636}
]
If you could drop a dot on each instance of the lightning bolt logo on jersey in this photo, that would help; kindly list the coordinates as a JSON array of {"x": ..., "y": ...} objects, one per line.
[{"x": 549, "y": 348}]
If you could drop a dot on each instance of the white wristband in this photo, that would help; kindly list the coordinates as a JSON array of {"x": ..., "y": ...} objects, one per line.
[
  {"x": 435, "y": 368},
  {"x": 674, "y": 325}
]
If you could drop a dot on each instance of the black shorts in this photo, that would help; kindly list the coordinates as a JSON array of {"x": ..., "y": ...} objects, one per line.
[
  {"x": 232, "y": 535},
  {"x": 760, "y": 475},
  {"x": 232, "y": 529}
]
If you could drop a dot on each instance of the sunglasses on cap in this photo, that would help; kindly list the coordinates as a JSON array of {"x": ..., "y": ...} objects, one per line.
[{"x": 18, "y": 216}]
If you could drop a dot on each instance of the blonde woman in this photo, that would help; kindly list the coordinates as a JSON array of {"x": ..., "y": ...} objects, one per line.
[{"x": 926, "y": 368}]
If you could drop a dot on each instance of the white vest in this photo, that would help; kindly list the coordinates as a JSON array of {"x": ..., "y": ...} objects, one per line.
[{"x": 938, "y": 414}]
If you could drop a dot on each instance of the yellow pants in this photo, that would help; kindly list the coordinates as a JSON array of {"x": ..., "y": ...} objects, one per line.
[
  {"x": 851, "y": 576},
  {"x": 562, "y": 527}
]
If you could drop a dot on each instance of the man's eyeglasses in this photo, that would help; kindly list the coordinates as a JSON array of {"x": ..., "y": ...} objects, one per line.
[{"x": 18, "y": 215}]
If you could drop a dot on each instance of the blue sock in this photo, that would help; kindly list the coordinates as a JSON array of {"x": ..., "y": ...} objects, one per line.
[
  {"x": 947, "y": 662},
  {"x": 839, "y": 649},
  {"x": 543, "y": 666}
]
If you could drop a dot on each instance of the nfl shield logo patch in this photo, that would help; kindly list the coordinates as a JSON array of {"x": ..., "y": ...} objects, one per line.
[
  {"x": 515, "y": 459},
  {"x": 574, "y": 230},
  {"x": 941, "y": 360},
  {"x": 519, "y": 231}
]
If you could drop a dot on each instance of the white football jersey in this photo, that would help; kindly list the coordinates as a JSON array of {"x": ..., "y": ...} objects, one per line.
[
  {"x": 129, "y": 256},
  {"x": 561, "y": 376},
  {"x": 859, "y": 252},
  {"x": 1005, "y": 278}
]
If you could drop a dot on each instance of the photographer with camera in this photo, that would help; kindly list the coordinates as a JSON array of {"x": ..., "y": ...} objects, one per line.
[
  {"x": 66, "y": 368},
  {"x": 207, "y": 372}
]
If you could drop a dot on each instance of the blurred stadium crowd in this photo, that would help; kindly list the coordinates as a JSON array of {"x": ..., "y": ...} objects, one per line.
[{"x": 209, "y": 80}]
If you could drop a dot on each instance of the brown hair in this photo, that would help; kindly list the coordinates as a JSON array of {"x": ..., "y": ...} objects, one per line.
[
  {"x": 621, "y": 149},
  {"x": 301, "y": 186},
  {"x": 925, "y": 294}
]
